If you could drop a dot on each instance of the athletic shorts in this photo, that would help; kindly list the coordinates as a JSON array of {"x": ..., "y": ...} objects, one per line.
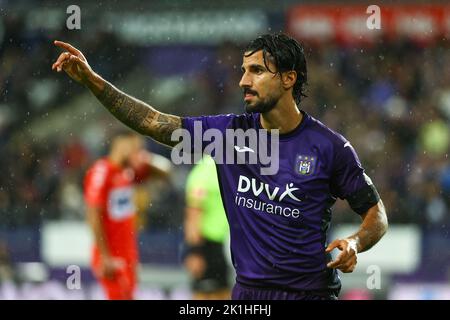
[
  {"x": 242, "y": 292},
  {"x": 215, "y": 276}
]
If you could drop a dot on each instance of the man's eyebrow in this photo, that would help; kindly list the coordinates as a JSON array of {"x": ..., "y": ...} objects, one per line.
[{"x": 255, "y": 66}]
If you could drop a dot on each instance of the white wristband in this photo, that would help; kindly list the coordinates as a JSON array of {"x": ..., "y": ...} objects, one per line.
[{"x": 352, "y": 245}]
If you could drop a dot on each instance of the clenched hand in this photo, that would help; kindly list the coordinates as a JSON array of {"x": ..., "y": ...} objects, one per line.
[{"x": 346, "y": 259}]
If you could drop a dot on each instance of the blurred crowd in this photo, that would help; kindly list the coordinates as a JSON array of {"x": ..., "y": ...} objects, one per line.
[
  {"x": 33, "y": 182},
  {"x": 390, "y": 99}
]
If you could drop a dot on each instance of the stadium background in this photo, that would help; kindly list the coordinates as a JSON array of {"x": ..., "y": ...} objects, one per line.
[{"x": 387, "y": 91}]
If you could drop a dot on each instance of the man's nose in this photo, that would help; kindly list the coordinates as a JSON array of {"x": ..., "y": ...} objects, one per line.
[{"x": 245, "y": 81}]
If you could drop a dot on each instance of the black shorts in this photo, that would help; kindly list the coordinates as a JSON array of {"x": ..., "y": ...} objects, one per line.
[
  {"x": 215, "y": 276},
  {"x": 242, "y": 292}
]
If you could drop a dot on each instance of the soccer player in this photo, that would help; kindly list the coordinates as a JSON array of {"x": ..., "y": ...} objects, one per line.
[
  {"x": 206, "y": 232},
  {"x": 108, "y": 190},
  {"x": 278, "y": 223}
]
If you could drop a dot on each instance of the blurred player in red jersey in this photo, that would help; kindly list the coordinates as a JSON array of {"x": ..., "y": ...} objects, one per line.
[{"x": 108, "y": 192}]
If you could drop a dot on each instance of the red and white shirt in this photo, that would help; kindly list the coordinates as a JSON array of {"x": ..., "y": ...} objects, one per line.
[{"x": 110, "y": 188}]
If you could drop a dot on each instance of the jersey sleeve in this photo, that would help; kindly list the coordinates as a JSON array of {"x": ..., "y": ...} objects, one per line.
[
  {"x": 197, "y": 126},
  {"x": 350, "y": 182},
  {"x": 95, "y": 185}
]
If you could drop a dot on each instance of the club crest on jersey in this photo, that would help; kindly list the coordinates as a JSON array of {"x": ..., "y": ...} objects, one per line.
[{"x": 306, "y": 165}]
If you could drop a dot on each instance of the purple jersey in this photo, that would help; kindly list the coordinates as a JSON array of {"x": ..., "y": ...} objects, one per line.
[{"x": 279, "y": 223}]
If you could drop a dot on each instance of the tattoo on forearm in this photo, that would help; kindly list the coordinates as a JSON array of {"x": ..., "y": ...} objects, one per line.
[
  {"x": 373, "y": 227},
  {"x": 139, "y": 116}
]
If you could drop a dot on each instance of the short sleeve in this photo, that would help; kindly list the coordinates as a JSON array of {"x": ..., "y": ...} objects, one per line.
[
  {"x": 95, "y": 185},
  {"x": 197, "y": 127},
  {"x": 350, "y": 182},
  {"x": 348, "y": 174}
]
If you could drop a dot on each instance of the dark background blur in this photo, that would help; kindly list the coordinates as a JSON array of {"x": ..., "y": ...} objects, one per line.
[{"x": 388, "y": 92}]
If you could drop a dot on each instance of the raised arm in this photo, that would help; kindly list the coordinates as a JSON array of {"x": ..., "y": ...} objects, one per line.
[{"x": 132, "y": 112}]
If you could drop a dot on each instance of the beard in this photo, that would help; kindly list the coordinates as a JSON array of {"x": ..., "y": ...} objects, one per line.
[{"x": 262, "y": 106}]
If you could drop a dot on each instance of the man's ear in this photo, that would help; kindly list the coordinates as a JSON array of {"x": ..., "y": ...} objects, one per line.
[{"x": 288, "y": 79}]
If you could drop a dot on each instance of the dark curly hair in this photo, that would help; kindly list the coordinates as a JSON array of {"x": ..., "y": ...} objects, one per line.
[{"x": 287, "y": 54}]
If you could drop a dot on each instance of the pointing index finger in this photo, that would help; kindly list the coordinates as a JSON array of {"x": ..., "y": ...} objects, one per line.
[
  {"x": 68, "y": 47},
  {"x": 331, "y": 246}
]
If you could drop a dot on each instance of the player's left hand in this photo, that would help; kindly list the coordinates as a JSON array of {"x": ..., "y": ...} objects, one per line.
[{"x": 346, "y": 259}]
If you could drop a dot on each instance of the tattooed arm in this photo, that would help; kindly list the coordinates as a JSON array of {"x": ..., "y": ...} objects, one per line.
[
  {"x": 131, "y": 111},
  {"x": 137, "y": 114}
]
